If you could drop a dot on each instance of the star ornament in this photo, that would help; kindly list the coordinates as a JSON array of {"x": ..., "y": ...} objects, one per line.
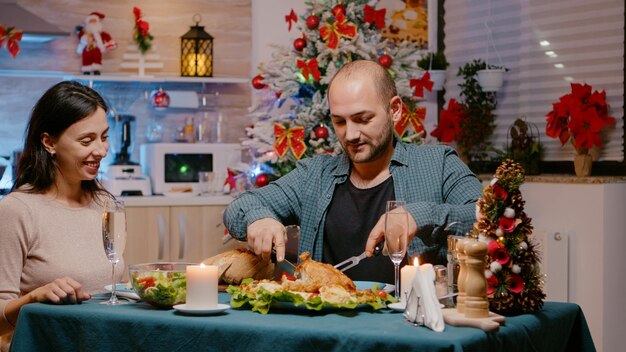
[
  {"x": 410, "y": 117},
  {"x": 420, "y": 84},
  {"x": 373, "y": 16},
  {"x": 337, "y": 28}
]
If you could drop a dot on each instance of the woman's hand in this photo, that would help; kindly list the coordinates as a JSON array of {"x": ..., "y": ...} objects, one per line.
[{"x": 60, "y": 291}]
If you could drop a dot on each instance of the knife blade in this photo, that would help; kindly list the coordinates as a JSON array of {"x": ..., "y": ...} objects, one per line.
[{"x": 286, "y": 266}]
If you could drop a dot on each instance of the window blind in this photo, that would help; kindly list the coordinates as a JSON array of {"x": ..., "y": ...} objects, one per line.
[{"x": 546, "y": 45}]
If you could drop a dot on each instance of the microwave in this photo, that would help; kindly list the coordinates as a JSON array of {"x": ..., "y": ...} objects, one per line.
[{"x": 173, "y": 167}]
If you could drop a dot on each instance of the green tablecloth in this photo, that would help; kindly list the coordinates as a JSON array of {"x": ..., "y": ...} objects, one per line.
[{"x": 139, "y": 327}]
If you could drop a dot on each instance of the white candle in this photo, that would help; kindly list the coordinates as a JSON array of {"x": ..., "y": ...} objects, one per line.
[
  {"x": 201, "y": 286},
  {"x": 407, "y": 274}
]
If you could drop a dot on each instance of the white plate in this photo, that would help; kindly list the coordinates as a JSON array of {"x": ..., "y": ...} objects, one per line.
[
  {"x": 367, "y": 285},
  {"x": 219, "y": 309},
  {"x": 180, "y": 194},
  {"x": 397, "y": 307},
  {"x": 123, "y": 291}
]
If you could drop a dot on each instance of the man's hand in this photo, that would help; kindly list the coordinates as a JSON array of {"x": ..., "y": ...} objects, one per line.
[
  {"x": 265, "y": 232},
  {"x": 378, "y": 233},
  {"x": 60, "y": 291}
]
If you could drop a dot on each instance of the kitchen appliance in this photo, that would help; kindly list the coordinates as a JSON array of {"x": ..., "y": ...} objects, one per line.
[
  {"x": 173, "y": 167},
  {"x": 124, "y": 177}
]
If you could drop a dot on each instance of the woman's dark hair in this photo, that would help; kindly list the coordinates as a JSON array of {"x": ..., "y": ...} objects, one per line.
[{"x": 61, "y": 106}]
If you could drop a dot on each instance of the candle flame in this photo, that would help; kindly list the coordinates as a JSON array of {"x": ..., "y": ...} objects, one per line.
[
  {"x": 202, "y": 265},
  {"x": 416, "y": 261}
]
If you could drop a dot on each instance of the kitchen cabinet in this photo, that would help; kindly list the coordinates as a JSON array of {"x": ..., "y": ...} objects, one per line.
[{"x": 174, "y": 233}]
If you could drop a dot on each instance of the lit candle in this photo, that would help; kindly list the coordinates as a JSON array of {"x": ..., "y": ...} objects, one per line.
[
  {"x": 407, "y": 274},
  {"x": 201, "y": 286}
]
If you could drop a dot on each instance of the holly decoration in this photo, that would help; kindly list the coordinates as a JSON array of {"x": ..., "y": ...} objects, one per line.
[
  {"x": 514, "y": 282},
  {"x": 321, "y": 132},
  {"x": 312, "y": 22},
  {"x": 159, "y": 99},
  {"x": 385, "y": 60},
  {"x": 261, "y": 180},
  {"x": 299, "y": 44},
  {"x": 257, "y": 82}
]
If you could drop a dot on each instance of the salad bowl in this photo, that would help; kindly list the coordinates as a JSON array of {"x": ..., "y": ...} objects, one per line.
[{"x": 162, "y": 284}]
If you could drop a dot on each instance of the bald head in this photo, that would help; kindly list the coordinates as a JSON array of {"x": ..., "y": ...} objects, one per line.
[{"x": 383, "y": 82}]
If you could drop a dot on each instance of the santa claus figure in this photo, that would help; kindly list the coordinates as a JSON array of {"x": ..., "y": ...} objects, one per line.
[{"x": 92, "y": 43}]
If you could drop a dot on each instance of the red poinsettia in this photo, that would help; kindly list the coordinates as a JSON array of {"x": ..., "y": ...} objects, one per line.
[
  {"x": 498, "y": 252},
  {"x": 579, "y": 116},
  {"x": 492, "y": 283},
  {"x": 337, "y": 28},
  {"x": 506, "y": 224},
  {"x": 449, "y": 123},
  {"x": 141, "y": 34},
  {"x": 499, "y": 192},
  {"x": 515, "y": 283}
]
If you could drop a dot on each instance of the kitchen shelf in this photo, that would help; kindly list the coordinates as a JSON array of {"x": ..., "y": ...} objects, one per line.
[{"x": 123, "y": 77}]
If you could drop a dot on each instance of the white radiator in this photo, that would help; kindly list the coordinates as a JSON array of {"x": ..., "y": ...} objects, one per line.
[{"x": 554, "y": 248}]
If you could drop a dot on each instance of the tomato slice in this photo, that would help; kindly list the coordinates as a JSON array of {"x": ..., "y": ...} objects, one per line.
[
  {"x": 289, "y": 277},
  {"x": 382, "y": 294},
  {"x": 147, "y": 281}
]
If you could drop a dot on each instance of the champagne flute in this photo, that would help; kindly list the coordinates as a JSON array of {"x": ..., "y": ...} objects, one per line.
[
  {"x": 113, "y": 239},
  {"x": 396, "y": 236}
]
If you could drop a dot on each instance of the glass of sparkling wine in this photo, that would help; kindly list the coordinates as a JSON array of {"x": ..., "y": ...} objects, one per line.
[
  {"x": 113, "y": 239},
  {"x": 396, "y": 236}
]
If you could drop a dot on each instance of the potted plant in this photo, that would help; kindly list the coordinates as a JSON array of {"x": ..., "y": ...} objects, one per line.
[
  {"x": 436, "y": 64},
  {"x": 491, "y": 78},
  {"x": 580, "y": 116}
]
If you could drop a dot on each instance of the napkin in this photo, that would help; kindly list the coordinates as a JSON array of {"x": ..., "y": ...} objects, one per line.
[{"x": 429, "y": 307}]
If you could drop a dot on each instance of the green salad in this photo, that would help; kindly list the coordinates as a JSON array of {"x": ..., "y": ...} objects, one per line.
[{"x": 161, "y": 288}]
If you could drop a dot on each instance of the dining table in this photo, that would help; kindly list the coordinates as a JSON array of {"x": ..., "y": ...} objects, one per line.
[{"x": 91, "y": 326}]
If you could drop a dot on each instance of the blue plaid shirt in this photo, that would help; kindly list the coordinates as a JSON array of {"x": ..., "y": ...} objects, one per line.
[{"x": 437, "y": 186}]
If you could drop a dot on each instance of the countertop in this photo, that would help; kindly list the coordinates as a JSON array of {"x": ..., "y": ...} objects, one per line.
[{"x": 178, "y": 200}]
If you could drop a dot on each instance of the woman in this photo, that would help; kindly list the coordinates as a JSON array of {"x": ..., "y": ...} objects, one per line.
[{"x": 50, "y": 231}]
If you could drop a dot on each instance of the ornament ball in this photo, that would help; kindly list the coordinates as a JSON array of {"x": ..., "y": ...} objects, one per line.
[
  {"x": 385, "y": 61},
  {"x": 312, "y": 22},
  {"x": 257, "y": 82},
  {"x": 299, "y": 44},
  {"x": 261, "y": 180},
  {"x": 321, "y": 132}
]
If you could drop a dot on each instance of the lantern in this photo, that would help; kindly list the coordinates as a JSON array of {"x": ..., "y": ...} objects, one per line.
[{"x": 196, "y": 51}]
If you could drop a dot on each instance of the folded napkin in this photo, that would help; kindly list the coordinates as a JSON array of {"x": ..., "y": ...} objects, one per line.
[{"x": 428, "y": 311}]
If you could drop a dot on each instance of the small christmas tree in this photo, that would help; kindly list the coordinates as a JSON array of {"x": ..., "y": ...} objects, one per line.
[
  {"x": 513, "y": 277},
  {"x": 292, "y": 119}
]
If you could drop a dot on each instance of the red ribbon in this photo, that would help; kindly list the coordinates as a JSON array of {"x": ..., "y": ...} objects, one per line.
[
  {"x": 289, "y": 138},
  {"x": 334, "y": 30},
  {"x": 291, "y": 17},
  {"x": 372, "y": 15},
  {"x": 13, "y": 37},
  {"x": 420, "y": 84},
  {"x": 310, "y": 68},
  {"x": 412, "y": 117}
]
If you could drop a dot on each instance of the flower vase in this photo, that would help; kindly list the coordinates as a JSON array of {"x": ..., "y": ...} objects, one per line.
[
  {"x": 582, "y": 165},
  {"x": 490, "y": 80},
  {"x": 438, "y": 77}
]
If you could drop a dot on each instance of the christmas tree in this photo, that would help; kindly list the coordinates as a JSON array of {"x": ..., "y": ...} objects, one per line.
[
  {"x": 514, "y": 282},
  {"x": 292, "y": 118}
]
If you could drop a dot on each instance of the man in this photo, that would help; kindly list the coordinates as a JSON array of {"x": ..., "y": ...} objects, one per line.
[{"x": 339, "y": 200}]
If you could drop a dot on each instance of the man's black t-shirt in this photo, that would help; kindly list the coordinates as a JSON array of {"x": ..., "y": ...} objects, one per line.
[{"x": 351, "y": 216}]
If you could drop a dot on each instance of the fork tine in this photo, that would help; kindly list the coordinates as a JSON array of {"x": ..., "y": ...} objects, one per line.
[{"x": 352, "y": 261}]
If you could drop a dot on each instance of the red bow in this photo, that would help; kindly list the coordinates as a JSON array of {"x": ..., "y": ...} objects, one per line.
[
  {"x": 291, "y": 17},
  {"x": 231, "y": 181},
  {"x": 413, "y": 117},
  {"x": 13, "y": 37},
  {"x": 332, "y": 31},
  {"x": 289, "y": 138},
  {"x": 310, "y": 68},
  {"x": 421, "y": 84},
  {"x": 372, "y": 15}
]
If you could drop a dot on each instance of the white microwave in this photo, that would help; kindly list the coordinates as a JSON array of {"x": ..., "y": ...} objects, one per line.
[{"x": 173, "y": 167}]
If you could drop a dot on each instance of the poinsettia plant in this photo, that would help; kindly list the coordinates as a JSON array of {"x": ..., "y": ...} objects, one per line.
[
  {"x": 579, "y": 116},
  {"x": 141, "y": 34}
]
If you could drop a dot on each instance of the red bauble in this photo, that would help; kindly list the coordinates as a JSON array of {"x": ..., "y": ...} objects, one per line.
[
  {"x": 339, "y": 9},
  {"x": 321, "y": 132},
  {"x": 312, "y": 22},
  {"x": 159, "y": 99},
  {"x": 257, "y": 82},
  {"x": 385, "y": 61},
  {"x": 299, "y": 44},
  {"x": 261, "y": 180}
]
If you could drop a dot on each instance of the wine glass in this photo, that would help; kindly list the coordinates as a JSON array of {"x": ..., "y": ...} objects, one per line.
[
  {"x": 113, "y": 239},
  {"x": 396, "y": 236}
]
